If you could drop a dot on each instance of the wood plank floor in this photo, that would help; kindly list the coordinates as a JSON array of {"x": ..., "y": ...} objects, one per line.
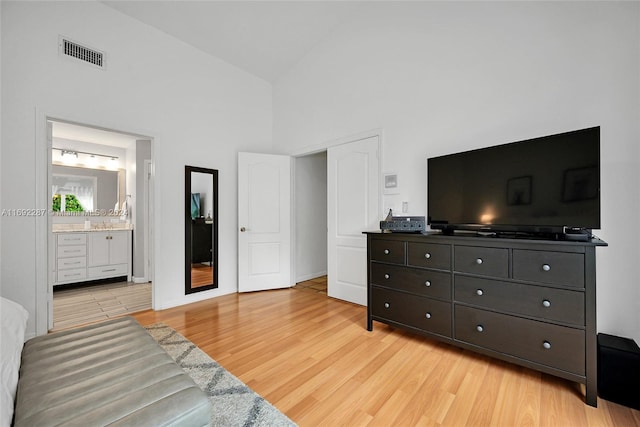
[{"x": 312, "y": 357}]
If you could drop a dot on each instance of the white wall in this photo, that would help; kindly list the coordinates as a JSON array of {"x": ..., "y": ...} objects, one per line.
[
  {"x": 440, "y": 77},
  {"x": 311, "y": 216},
  {"x": 199, "y": 110}
]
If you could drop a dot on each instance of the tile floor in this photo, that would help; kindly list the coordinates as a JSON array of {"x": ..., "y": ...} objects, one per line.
[{"x": 87, "y": 304}]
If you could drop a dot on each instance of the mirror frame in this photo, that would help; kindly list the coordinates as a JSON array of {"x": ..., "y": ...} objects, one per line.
[{"x": 188, "y": 289}]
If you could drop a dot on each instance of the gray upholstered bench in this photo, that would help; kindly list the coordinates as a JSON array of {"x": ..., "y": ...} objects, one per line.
[{"x": 110, "y": 373}]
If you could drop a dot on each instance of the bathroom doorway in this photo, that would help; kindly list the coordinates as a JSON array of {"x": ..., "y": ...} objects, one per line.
[{"x": 89, "y": 281}]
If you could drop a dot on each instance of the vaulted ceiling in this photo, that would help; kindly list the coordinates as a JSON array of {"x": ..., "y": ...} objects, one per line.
[{"x": 264, "y": 38}]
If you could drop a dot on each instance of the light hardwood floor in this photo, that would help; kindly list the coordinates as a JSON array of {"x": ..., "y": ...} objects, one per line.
[{"x": 312, "y": 357}]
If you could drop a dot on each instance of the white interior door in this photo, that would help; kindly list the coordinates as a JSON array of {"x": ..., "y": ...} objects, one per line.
[
  {"x": 353, "y": 206},
  {"x": 148, "y": 224},
  {"x": 264, "y": 222}
]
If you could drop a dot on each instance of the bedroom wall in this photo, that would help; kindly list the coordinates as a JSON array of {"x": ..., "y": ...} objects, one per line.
[
  {"x": 195, "y": 107},
  {"x": 441, "y": 77}
]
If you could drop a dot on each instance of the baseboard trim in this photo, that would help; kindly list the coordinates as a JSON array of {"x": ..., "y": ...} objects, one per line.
[{"x": 139, "y": 279}]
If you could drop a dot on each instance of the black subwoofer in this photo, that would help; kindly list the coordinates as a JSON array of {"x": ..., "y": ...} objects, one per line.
[{"x": 619, "y": 370}]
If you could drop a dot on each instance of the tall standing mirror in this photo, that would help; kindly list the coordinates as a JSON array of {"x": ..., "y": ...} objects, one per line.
[{"x": 201, "y": 229}]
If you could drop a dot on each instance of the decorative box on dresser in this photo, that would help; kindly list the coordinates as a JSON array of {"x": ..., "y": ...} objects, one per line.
[{"x": 525, "y": 301}]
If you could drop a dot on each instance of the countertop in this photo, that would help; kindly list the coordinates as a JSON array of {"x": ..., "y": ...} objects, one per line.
[{"x": 79, "y": 228}]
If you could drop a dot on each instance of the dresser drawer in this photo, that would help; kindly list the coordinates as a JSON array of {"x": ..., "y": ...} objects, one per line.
[
  {"x": 72, "y": 239},
  {"x": 493, "y": 262},
  {"x": 549, "y": 267},
  {"x": 75, "y": 262},
  {"x": 71, "y": 251},
  {"x": 418, "y": 312},
  {"x": 387, "y": 251},
  {"x": 428, "y": 283},
  {"x": 73, "y": 275},
  {"x": 555, "y": 346},
  {"x": 107, "y": 271},
  {"x": 430, "y": 255},
  {"x": 535, "y": 301}
]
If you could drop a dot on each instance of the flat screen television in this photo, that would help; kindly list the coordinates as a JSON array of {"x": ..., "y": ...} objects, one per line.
[
  {"x": 195, "y": 205},
  {"x": 543, "y": 186}
]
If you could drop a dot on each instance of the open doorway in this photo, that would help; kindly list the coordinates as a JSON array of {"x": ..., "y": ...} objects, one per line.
[
  {"x": 101, "y": 229},
  {"x": 310, "y": 195}
]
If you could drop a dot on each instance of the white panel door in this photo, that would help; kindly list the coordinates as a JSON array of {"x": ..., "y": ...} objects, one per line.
[
  {"x": 264, "y": 221},
  {"x": 353, "y": 206}
]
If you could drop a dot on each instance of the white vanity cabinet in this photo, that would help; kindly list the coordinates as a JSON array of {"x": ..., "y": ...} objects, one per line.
[
  {"x": 71, "y": 258},
  {"x": 108, "y": 254},
  {"x": 91, "y": 255}
]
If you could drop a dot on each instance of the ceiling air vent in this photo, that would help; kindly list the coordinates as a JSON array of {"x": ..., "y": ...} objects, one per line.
[{"x": 71, "y": 49}]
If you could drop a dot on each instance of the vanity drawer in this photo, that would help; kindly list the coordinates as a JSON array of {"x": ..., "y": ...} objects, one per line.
[
  {"x": 75, "y": 262},
  {"x": 387, "y": 251},
  {"x": 73, "y": 275},
  {"x": 72, "y": 251},
  {"x": 552, "y": 345},
  {"x": 419, "y": 312},
  {"x": 558, "y": 268},
  {"x": 429, "y": 255},
  {"x": 72, "y": 239},
  {"x": 428, "y": 283},
  {"x": 107, "y": 271},
  {"x": 493, "y": 262},
  {"x": 536, "y": 301}
]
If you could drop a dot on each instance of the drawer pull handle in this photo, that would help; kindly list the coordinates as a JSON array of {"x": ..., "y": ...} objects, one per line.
[
  {"x": 427, "y": 255},
  {"x": 427, "y": 283},
  {"x": 546, "y": 303},
  {"x": 428, "y": 315},
  {"x": 387, "y": 305},
  {"x": 386, "y": 251},
  {"x": 546, "y": 345},
  {"x": 479, "y": 292},
  {"x": 386, "y": 276},
  {"x": 479, "y": 328},
  {"x": 479, "y": 261},
  {"x": 546, "y": 267}
]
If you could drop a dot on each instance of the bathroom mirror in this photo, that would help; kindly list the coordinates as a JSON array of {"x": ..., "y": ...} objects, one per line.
[
  {"x": 98, "y": 191},
  {"x": 201, "y": 229}
]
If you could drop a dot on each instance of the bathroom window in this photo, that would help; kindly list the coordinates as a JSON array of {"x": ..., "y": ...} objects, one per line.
[{"x": 74, "y": 192}]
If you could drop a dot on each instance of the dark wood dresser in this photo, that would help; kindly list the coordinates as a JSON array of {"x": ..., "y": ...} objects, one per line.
[{"x": 525, "y": 301}]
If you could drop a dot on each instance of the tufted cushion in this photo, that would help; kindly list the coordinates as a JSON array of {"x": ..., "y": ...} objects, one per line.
[{"x": 108, "y": 373}]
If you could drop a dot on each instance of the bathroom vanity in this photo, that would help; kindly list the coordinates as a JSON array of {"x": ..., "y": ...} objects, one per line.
[{"x": 84, "y": 255}]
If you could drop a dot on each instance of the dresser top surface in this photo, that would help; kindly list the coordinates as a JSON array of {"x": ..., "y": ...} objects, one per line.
[{"x": 474, "y": 238}]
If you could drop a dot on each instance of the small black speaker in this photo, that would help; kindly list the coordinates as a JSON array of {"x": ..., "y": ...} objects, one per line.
[{"x": 619, "y": 370}]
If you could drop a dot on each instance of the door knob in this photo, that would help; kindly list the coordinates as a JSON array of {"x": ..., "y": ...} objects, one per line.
[{"x": 243, "y": 229}]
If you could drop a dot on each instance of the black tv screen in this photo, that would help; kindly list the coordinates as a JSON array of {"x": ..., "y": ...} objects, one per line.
[{"x": 541, "y": 185}]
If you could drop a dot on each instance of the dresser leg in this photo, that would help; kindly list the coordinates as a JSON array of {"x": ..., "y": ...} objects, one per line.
[
  {"x": 369, "y": 324},
  {"x": 591, "y": 395}
]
